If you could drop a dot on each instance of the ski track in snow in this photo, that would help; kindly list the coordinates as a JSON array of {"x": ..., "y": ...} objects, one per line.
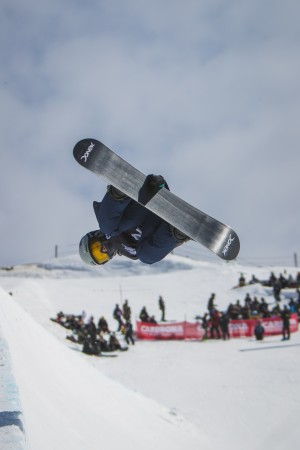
[{"x": 204, "y": 395}]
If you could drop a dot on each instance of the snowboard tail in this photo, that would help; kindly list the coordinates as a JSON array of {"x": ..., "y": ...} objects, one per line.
[{"x": 199, "y": 226}]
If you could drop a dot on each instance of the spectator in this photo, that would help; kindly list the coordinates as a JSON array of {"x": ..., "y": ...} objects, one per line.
[
  {"x": 245, "y": 312},
  {"x": 103, "y": 344},
  {"x": 205, "y": 325},
  {"x": 264, "y": 308},
  {"x": 152, "y": 319},
  {"x": 91, "y": 329},
  {"x": 126, "y": 311},
  {"x": 215, "y": 325},
  {"x": 90, "y": 348},
  {"x": 254, "y": 280},
  {"x": 293, "y": 306},
  {"x": 161, "y": 305},
  {"x": 283, "y": 281},
  {"x": 114, "y": 344},
  {"x": 235, "y": 310},
  {"x": 272, "y": 279},
  {"x": 211, "y": 304},
  {"x": 276, "y": 290},
  {"x": 224, "y": 325},
  {"x": 248, "y": 299},
  {"x": 255, "y": 307},
  {"x": 285, "y": 315},
  {"x": 128, "y": 333},
  {"x": 144, "y": 316},
  {"x": 103, "y": 325},
  {"x": 242, "y": 280},
  {"x": 117, "y": 315},
  {"x": 259, "y": 331}
]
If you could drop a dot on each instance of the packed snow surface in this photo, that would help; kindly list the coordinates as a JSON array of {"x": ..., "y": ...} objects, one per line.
[{"x": 162, "y": 394}]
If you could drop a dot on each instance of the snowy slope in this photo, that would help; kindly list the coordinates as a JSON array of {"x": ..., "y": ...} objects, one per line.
[
  {"x": 68, "y": 404},
  {"x": 162, "y": 394}
]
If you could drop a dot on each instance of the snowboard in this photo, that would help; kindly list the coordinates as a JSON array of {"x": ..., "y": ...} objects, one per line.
[{"x": 200, "y": 227}]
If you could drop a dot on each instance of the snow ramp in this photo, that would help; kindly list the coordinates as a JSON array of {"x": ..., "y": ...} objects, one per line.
[
  {"x": 12, "y": 435},
  {"x": 68, "y": 404}
]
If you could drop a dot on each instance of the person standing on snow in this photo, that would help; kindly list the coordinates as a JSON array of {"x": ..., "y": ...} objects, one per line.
[
  {"x": 128, "y": 228},
  {"x": 211, "y": 304},
  {"x": 117, "y": 315},
  {"x": 128, "y": 333},
  {"x": 162, "y": 307},
  {"x": 285, "y": 315}
]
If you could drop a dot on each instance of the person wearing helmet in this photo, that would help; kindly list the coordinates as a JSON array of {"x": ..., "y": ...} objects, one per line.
[{"x": 128, "y": 228}]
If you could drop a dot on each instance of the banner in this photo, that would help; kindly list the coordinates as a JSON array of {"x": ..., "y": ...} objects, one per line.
[
  {"x": 194, "y": 330},
  {"x": 146, "y": 330}
]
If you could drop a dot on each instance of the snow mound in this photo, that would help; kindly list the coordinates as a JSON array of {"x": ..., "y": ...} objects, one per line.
[{"x": 72, "y": 266}]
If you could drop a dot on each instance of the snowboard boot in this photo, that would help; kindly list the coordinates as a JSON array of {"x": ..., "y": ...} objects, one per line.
[
  {"x": 179, "y": 236},
  {"x": 116, "y": 193}
]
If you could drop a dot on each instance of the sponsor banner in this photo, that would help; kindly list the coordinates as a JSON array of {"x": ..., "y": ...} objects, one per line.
[
  {"x": 174, "y": 330},
  {"x": 272, "y": 326},
  {"x": 194, "y": 330}
]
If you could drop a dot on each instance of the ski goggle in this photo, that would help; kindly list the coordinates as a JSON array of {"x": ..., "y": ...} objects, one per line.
[{"x": 98, "y": 251}]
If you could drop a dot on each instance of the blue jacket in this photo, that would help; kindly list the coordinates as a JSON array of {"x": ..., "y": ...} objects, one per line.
[{"x": 134, "y": 231}]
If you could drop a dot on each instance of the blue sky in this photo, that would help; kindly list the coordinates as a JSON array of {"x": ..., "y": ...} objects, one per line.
[{"x": 206, "y": 93}]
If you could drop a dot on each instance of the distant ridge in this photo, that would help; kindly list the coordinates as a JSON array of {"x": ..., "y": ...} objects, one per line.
[{"x": 72, "y": 266}]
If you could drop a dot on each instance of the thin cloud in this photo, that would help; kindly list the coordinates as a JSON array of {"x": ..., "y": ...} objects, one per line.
[{"x": 205, "y": 94}]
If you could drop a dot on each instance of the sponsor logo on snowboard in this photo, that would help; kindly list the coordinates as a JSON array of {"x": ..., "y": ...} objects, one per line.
[
  {"x": 228, "y": 244},
  {"x": 87, "y": 153}
]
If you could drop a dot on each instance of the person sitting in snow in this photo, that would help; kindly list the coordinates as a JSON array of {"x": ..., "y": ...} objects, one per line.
[
  {"x": 259, "y": 331},
  {"x": 128, "y": 228},
  {"x": 144, "y": 316},
  {"x": 103, "y": 325},
  {"x": 114, "y": 344}
]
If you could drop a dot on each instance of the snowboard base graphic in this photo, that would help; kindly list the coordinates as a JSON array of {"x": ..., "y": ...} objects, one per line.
[{"x": 202, "y": 228}]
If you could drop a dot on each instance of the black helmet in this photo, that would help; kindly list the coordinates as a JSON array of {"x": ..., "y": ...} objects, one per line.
[{"x": 94, "y": 248}]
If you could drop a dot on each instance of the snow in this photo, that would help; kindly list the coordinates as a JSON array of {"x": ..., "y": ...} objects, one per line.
[
  {"x": 11, "y": 428},
  {"x": 202, "y": 395}
]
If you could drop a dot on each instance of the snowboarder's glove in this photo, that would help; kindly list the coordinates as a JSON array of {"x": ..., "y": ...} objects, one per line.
[{"x": 156, "y": 181}]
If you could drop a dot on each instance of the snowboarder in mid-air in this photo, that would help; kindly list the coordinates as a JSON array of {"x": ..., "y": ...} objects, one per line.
[{"x": 128, "y": 228}]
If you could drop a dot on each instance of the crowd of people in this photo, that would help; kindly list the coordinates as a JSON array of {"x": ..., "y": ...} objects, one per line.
[
  {"x": 285, "y": 315},
  {"x": 216, "y": 323},
  {"x": 277, "y": 283},
  {"x": 96, "y": 339}
]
